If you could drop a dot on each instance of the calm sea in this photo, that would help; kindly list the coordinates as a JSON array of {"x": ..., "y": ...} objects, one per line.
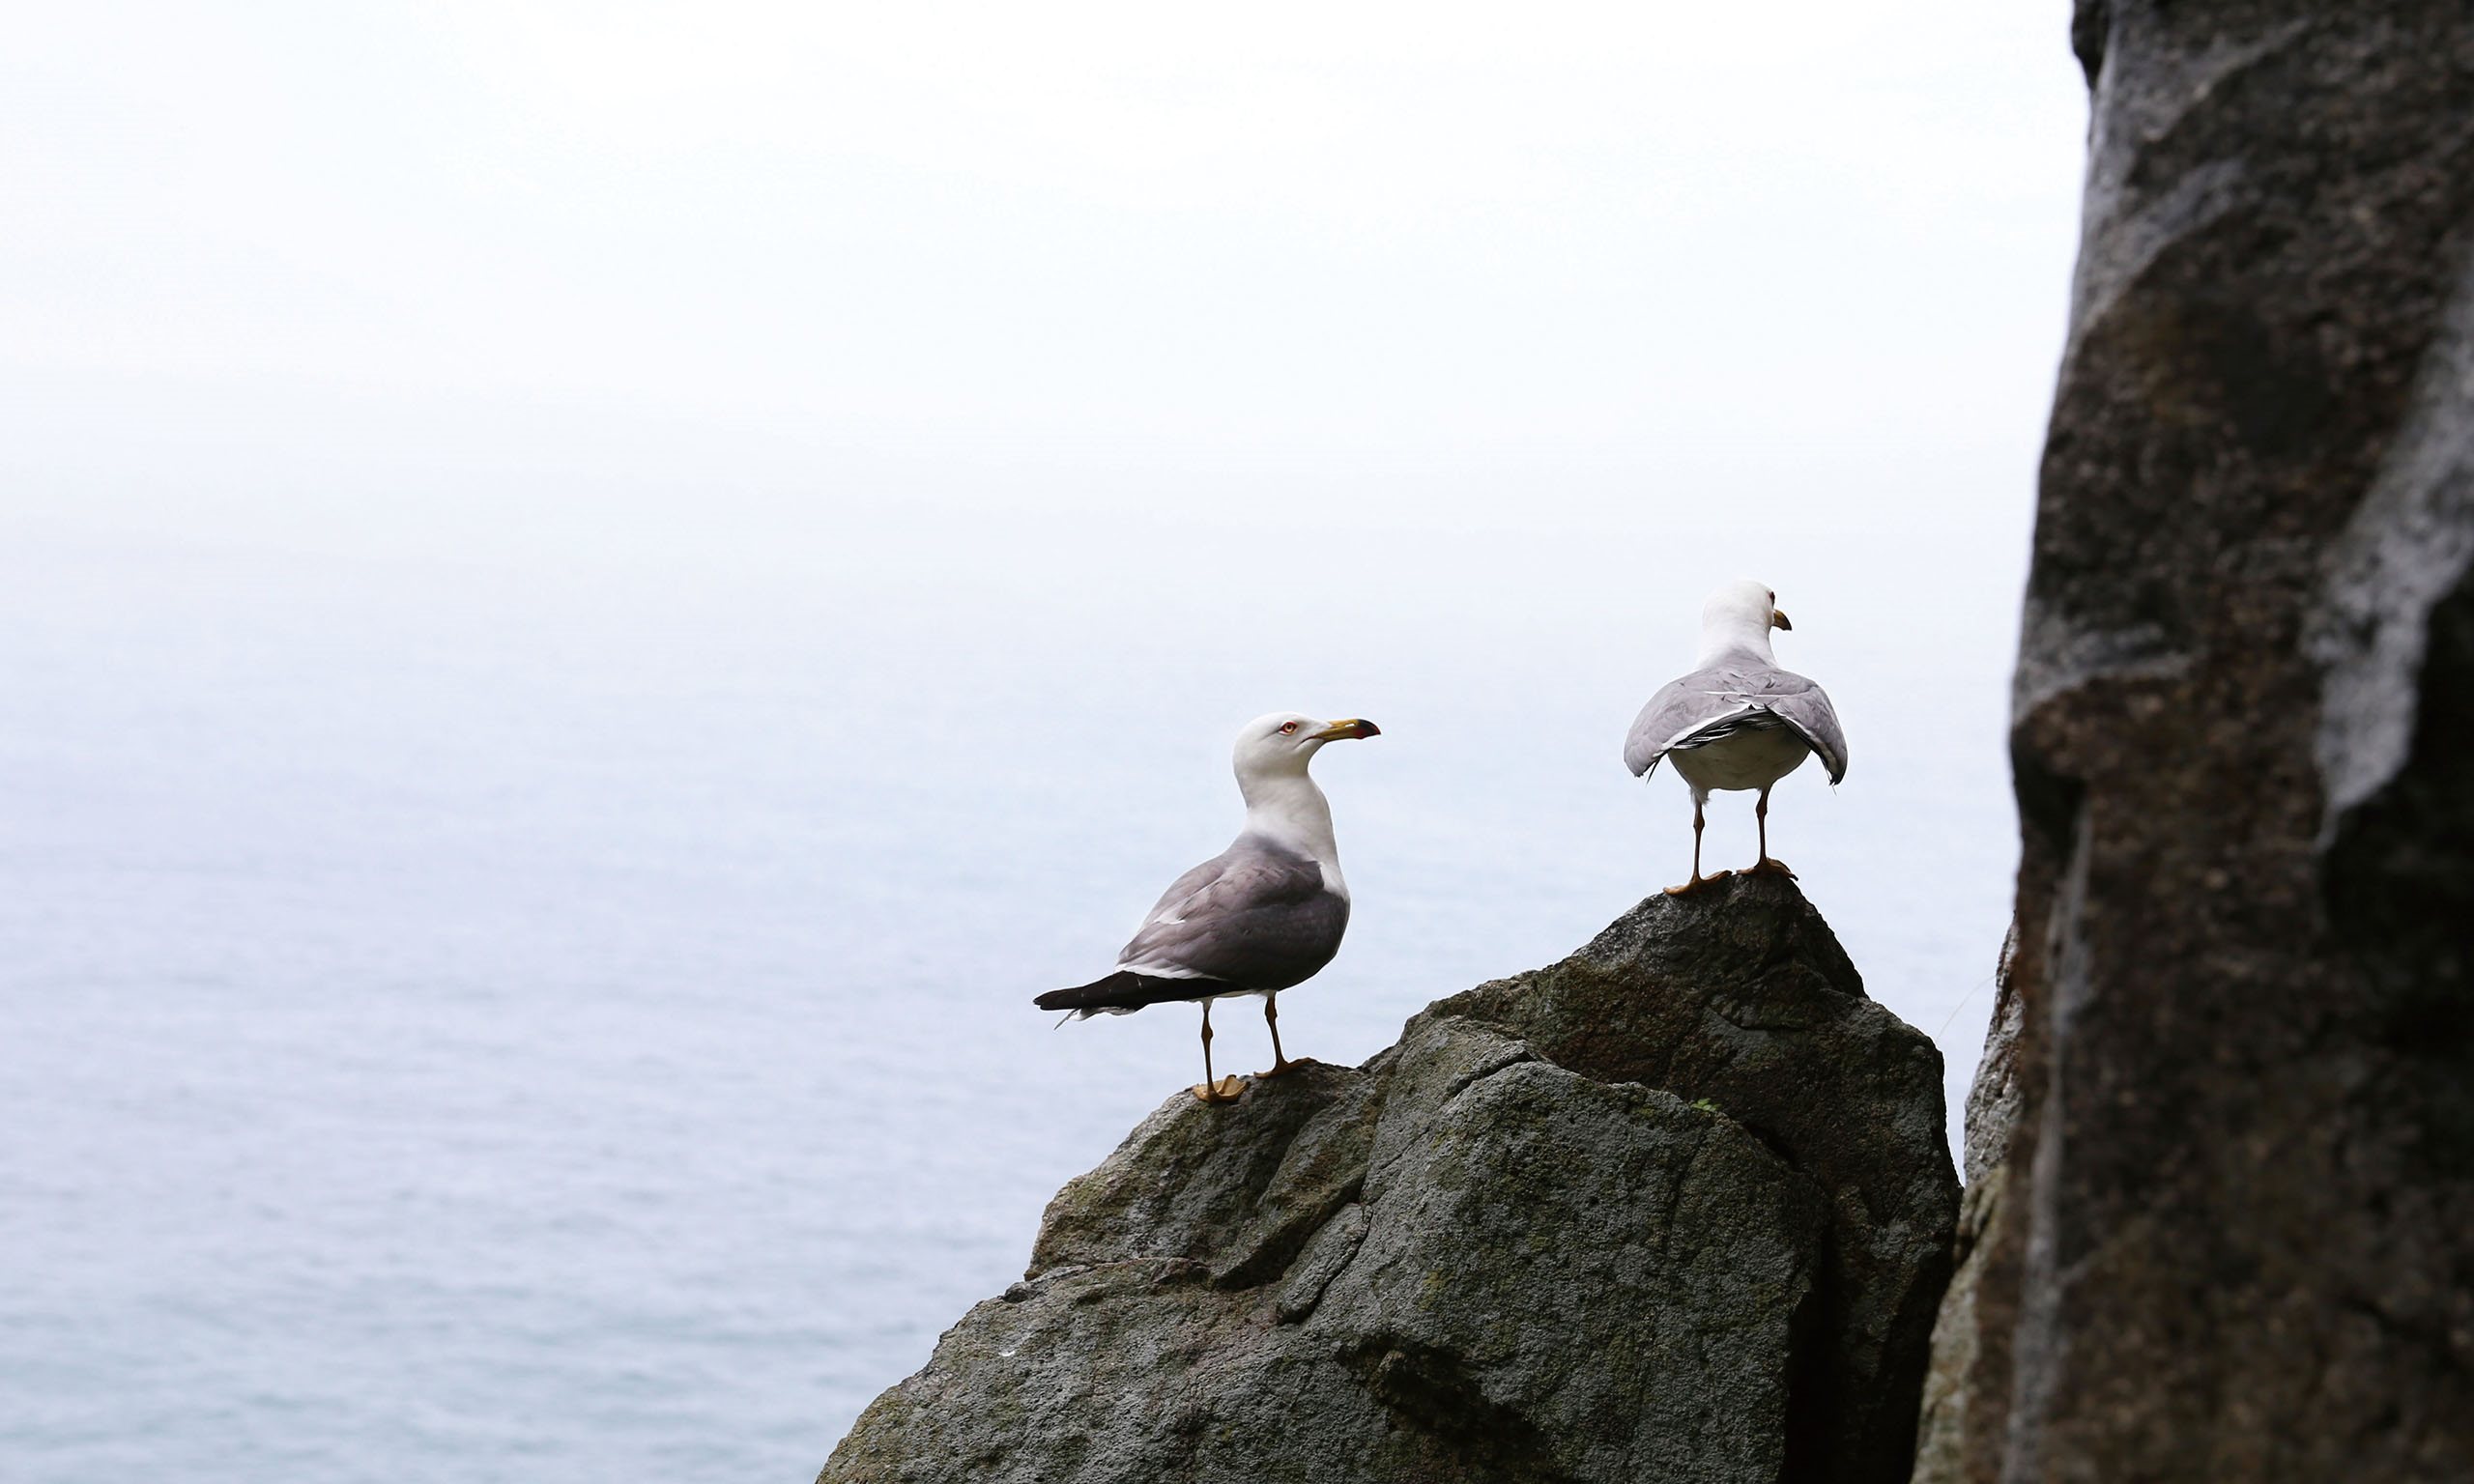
[{"x": 558, "y": 1009}]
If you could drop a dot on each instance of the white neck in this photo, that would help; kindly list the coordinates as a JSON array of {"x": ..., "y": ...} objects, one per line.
[
  {"x": 1734, "y": 633},
  {"x": 1288, "y": 809}
]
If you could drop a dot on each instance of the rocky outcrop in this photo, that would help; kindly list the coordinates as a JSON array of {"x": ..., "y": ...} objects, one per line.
[
  {"x": 1677, "y": 1208},
  {"x": 2235, "y": 1234},
  {"x": 1757, "y": 1010}
]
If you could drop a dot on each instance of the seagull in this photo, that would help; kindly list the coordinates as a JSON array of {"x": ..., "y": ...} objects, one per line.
[
  {"x": 1736, "y": 721},
  {"x": 1262, "y": 915}
]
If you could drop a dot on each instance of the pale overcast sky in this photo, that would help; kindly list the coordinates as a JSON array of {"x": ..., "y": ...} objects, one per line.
[
  {"x": 594, "y": 596},
  {"x": 777, "y": 244}
]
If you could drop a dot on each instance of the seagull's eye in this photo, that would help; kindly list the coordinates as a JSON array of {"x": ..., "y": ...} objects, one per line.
[{"x": 1285, "y": 728}]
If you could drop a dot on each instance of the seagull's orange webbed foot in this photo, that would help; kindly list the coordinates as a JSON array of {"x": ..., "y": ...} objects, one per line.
[
  {"x": 1698, "y": 882},
  {"x": 1281, "y": 1068},
  {"x": 1227, "y": 1089},
  {"x": 1770, "y": 868}
]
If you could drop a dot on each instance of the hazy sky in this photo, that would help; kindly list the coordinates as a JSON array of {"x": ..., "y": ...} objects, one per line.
[
  {"x": 990, "y": 253},
  {"x": 594, "y": 596},
  {"x": 1404, "y": 333}
]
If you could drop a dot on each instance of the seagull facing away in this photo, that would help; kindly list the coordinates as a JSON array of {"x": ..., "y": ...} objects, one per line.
[
  {"x": 1262, "y": 915},
  {"x": 1736, "y": 721}
]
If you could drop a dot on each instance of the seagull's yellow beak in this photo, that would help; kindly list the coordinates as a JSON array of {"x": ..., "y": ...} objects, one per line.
[
  {"x": 1779, "y": 619},
  {"x": 1332, "y": 732}
]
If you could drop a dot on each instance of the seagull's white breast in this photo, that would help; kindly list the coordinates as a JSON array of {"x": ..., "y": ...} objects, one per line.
[{"x": 1752, "y": 759}]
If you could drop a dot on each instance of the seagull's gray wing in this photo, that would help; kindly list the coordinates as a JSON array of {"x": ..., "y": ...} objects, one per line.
[
  {"x": 1678, "y": 710},
  {"x": 1805, "y": 706},
  {"x": 1257, "y": 916},
  {"x": 1719, "y": 700}
]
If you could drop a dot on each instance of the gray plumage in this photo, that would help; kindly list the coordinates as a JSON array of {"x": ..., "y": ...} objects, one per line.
[
  {"x": 1256, "y": 917},
  {"x": 1737, "y": 694}
]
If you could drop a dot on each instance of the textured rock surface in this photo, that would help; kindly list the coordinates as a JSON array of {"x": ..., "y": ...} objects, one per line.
[
  {"x": 1962, "y": 1370},
  {"x": 1666, "y": 1211},
  {"x": 1758, "y": 1012},
  {"x": 2235, "y": 1238},
  {"x": 1992, "y": 1100}
]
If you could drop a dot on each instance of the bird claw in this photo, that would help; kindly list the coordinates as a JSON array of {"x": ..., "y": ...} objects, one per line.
[
  {"x": 1770, "y": 868},
  {"x": 1279, "y": 1069},
  {"x": 1698, "y": 882},
  {"x": 1227, "y": 1089}
]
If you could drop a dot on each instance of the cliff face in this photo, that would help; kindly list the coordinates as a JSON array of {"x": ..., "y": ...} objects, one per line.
[
  {"x": 2231, "y": 1237},
  {"x": 1677, "y": 1208}
]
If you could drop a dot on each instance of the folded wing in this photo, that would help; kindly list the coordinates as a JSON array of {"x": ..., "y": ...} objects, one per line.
[
  {"x": 1257, "y": 916},
  {"x": 1709, "y": 706}
]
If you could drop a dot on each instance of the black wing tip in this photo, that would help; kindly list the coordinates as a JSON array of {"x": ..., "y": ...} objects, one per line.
[
  {"x": 1128, "y": 991},
  {"x": 1094, "y": 995}
]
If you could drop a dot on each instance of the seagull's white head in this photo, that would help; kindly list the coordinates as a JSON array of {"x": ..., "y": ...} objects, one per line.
[
  {"x": 1282, "y": 803},
  {"x": 1739, "y": 615},
  {"x": 1285, "y": 741}
]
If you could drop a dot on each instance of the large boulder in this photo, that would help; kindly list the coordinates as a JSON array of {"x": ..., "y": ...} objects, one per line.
[
  {"x": 1669, "y": 1210},
  {"x": 1755, "y": 1009},
  {"x": 2235, "y": 1234}
]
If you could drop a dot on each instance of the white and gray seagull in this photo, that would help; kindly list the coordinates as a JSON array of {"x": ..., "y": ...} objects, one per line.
[
  {"x": 1262, "y": 915},
  {"x": 1736, "y": 721}
]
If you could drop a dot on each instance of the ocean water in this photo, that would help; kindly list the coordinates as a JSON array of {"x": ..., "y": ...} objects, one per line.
[{"x": 552, "y": 1003}]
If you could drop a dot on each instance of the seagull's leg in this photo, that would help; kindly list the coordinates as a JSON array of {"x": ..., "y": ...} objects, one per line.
[
  {"x": 1765, "y": 866},
  {"x": 1223, "y": 1091},
  {"x": 1271, "y": 1017},
  {"x": 1697, "y": 877}
]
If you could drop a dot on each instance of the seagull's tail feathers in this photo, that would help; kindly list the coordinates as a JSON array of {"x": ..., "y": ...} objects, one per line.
[{"x": 1126, "y": 990}]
